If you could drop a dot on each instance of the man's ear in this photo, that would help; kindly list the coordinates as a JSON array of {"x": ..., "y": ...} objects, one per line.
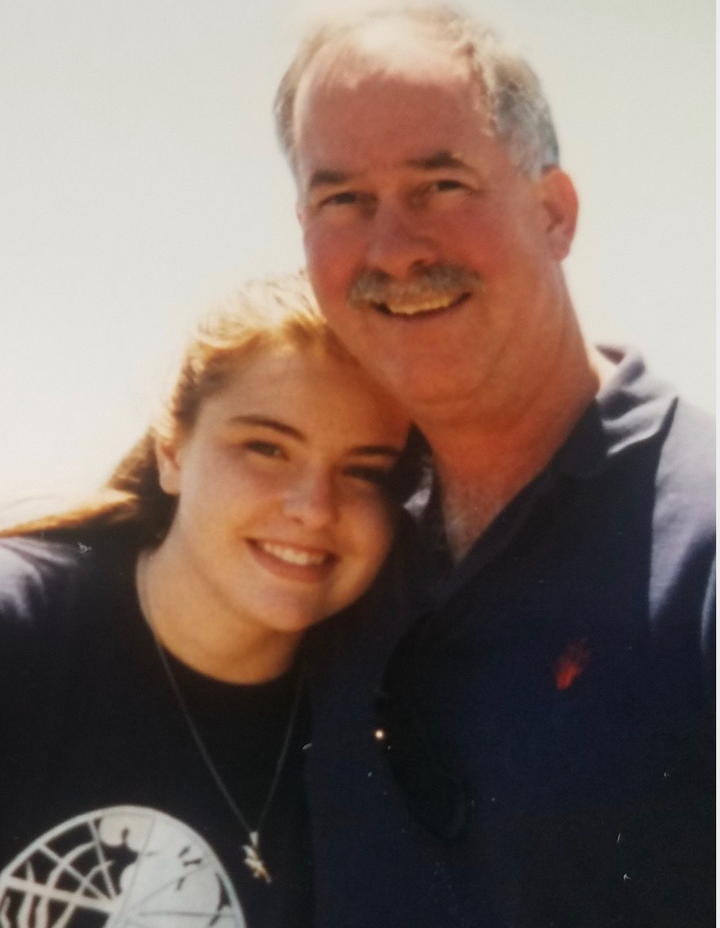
[
  {"x": 560, "y": 204},
  {"x": 168, "y": 454}
]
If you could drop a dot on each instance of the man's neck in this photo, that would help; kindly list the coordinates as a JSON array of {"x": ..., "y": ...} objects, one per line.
[{"x": 484, "y": 461}]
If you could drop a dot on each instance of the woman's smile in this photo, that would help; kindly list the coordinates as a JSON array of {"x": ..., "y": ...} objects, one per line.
[{"x": 293, "y": 561}]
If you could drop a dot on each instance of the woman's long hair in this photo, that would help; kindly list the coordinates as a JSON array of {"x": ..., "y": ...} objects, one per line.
[{"x": 265, "y": 313}]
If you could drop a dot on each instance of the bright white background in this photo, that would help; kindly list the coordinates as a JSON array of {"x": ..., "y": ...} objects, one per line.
[{"x": 140, "y": 179}]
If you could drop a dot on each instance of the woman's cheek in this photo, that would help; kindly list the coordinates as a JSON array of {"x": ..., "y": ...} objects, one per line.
[{"x": 380, "y": 531}]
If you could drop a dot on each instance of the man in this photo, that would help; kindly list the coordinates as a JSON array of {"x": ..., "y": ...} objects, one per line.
[{"x": 543, "y": 750}]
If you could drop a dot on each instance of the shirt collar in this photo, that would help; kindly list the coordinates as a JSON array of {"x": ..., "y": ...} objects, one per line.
[{"x": 631, "y": 407}]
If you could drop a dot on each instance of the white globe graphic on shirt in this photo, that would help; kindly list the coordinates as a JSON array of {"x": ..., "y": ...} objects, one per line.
[{"x": 122, "y": 867}]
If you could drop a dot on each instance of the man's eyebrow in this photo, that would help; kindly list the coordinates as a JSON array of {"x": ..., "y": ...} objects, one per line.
[
  {"x": 436, "y": 160},
  {"x": 326, "y": 177},
  {"x": 267, "y": 423}
]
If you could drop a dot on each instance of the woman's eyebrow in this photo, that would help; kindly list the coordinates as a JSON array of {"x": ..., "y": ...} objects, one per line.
[
  {"x": 285, "y": 429},
  {"x": 376, "y": 451},
  {"x": 267, "y": 423}
]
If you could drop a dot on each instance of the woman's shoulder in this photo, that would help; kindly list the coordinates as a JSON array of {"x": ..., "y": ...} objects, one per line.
[
  {"x": 57, "y": 600},
  {"x": 36, "y": 583},
  {"x": 30, "y": 568},
  {"x": 39, "y": 575}
]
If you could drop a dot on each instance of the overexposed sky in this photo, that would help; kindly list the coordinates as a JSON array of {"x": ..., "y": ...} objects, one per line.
[{"x": 140, "y": 179}]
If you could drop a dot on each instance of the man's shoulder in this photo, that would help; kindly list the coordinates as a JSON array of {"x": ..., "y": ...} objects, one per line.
[
  {"x": 684, "y": 520},
  {"x": 685, "y": 476},
  {"x": 689, "y": 447},
  {"x": 646, "y": 421}
]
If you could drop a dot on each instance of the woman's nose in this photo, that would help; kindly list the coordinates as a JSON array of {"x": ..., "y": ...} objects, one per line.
[{"x": 311, "y": 499}]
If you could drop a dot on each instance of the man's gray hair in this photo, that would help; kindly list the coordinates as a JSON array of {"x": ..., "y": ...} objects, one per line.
[{"x": 520, "y": 113}]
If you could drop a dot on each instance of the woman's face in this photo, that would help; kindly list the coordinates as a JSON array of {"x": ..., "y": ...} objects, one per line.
[{"x": 281, "y": 516}]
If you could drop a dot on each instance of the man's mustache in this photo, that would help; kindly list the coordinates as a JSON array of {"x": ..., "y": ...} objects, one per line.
[{"x": 434, "y": 281}]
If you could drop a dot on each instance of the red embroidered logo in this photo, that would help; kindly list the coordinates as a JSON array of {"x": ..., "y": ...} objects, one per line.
[{"x": 571, "y": 663}]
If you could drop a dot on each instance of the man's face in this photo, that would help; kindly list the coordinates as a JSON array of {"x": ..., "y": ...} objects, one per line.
[{"x": 434, "y": 259}]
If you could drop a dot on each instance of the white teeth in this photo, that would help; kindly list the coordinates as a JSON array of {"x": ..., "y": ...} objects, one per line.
[
  {"x": 293, "y": 555},
  {"x": 426, "y": 306}
]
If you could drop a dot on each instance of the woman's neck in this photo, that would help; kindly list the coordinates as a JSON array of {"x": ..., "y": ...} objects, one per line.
[{"x": 199, "y": 634}]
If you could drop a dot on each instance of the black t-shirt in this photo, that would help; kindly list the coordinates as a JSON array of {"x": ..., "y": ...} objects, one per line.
[{"x": 107, "y": 808}]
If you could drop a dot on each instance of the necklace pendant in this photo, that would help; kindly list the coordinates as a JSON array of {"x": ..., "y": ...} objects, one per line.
[{"x": 253, "y": 861}]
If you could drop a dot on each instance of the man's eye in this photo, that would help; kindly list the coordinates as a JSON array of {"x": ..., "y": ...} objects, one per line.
[
  {"x": 344, "y": 198},
  {"x": 441, "y": 186}
]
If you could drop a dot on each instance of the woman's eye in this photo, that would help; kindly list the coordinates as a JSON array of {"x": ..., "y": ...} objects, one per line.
[
  {"x": 265, "y": 448},
  {"x": 377, "y": 476}
]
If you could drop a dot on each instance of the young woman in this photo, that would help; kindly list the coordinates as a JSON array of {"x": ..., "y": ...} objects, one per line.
[{"x": 152, "y": 716}]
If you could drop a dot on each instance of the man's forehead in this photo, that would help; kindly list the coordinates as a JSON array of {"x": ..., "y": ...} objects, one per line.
[
  {"x": 358, "y": 109},
  {"x": 384, "y": 49}
]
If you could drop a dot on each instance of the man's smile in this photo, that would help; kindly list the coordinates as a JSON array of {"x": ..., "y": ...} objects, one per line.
[
  {"x": 431, "y": 290},
  {"x": 426, "y": 307}
]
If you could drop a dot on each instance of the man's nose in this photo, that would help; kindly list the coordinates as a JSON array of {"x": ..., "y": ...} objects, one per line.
[
  {"x": 310, "y": 499},
  {"x": 398, "y": 244}
]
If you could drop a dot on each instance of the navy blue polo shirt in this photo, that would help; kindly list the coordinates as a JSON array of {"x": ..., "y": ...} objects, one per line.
[{"x": 526, "y": 739}]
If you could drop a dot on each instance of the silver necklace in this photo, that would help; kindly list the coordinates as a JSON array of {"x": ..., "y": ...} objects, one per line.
[{"x": 253, "y": 861}]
